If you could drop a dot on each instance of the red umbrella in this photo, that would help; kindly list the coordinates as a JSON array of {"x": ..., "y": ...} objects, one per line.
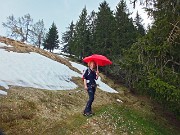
[{"x": 99, "y": 59}]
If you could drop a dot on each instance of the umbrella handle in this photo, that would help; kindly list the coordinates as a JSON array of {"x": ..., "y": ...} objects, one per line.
[{"x": 97, "y": 68}]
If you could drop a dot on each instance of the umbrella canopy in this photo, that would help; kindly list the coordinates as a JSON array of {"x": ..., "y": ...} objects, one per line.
[{"x": 100, "y": 60}]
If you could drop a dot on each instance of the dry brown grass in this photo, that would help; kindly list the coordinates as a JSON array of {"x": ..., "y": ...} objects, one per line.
[{"x": 35, "y": 111}]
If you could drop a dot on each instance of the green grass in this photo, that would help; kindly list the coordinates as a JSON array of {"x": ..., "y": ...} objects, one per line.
[
  {"x": 130, "y": 121},
  {"x": 114, "y": 119},
  {"x": 68, "y": 126}
]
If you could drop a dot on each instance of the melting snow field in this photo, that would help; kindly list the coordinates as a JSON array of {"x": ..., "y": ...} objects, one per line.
[
  {"x": 34, "y": 70},
  {"x": 37, "y": 71}
]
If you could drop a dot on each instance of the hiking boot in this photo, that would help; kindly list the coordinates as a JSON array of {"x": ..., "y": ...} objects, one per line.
[{"x": 87, "y": 114}]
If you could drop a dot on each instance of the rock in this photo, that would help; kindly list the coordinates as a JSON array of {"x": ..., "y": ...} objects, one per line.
[
  {"x": 78, "y": 91},
  {"x": 118, "y": 100}
]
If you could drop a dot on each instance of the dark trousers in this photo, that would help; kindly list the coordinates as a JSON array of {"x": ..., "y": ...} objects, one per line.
[{"x": 91, "y": 93}]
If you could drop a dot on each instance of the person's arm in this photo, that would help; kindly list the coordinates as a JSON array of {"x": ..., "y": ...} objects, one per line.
[
  {"x": 85, "y": 84},
  {"x": 85, "y": 79},
  {"x": 97, "y": 74}
]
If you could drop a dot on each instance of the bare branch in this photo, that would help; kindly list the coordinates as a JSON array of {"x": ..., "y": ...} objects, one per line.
[{"x": 174, "y": 32}]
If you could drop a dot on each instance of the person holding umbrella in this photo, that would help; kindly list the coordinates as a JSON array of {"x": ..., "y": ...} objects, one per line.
[{"x": 90, "y": 76}]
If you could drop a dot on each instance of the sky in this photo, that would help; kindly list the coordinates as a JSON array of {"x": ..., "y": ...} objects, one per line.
[{"x": 61, "y": 12}]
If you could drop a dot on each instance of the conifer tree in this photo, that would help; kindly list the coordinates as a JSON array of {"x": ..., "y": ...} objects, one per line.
[
  {"x": 81, "y": 37},
  {"x": 139, "y": 25},
  {"x": 92, "y": 22},
  {"x": 152, "y": 65},
  {"x": 51, "y": 41},
  {"x": 104, "y": 30},
  {"x": 67, "y": 39},
  {"x": 126, "y": 33}
]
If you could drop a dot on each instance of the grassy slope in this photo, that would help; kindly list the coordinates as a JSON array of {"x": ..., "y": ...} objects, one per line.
[
  {"x": 35, "y": 112},
  {"x": 31, "y": 111}
]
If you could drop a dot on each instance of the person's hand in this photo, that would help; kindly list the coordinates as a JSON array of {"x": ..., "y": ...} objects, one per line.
[
  {"x": 85, "y": 87},
  {"x": 97, "y": 73}
]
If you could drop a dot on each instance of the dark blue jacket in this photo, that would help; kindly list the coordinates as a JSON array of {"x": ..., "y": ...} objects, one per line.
[{"x": 90, "y": 75}]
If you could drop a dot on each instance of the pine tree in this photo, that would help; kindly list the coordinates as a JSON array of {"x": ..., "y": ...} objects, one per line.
[
  {"x": 126, "y": 33},
  {"x": 92, "y": 22},
  {"x": 51, "y": 41},
  {"x": 152, "y": 65},
  {"x": 81, "y": 36},
  {"x": 139, "y": 25},
  {"x": 104, "y": 30},
  {"x": 67, "y": 39}
]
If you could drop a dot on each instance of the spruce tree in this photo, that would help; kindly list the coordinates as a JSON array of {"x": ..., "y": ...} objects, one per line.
[
  {"x": 104, "y": 30},
  {"x": 51, "y": 41},
  {"x": 152, "y": 65},
  {"x": 67, "y": 39},
  {"x": 92, "y": 21},
  {"x": 126, "y": 32},
  {"x": 139, "y": 25},
  {"x": 81, "y": 36}
]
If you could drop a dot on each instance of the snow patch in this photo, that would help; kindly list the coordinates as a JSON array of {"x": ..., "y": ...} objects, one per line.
[
  {"x": 3, "y": 92},
  {"x": 3, "y": 84},
  {"x": 34, "y": 70},
  {"x": 3, "y": 45},
  {"x": 80, "y": 67},
  {"x": 63, "y": 56},
  {"x": 58, "y": 51}
]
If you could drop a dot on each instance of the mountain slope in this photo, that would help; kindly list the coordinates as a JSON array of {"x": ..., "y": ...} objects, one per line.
[{"x": 34, "y": 111}]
